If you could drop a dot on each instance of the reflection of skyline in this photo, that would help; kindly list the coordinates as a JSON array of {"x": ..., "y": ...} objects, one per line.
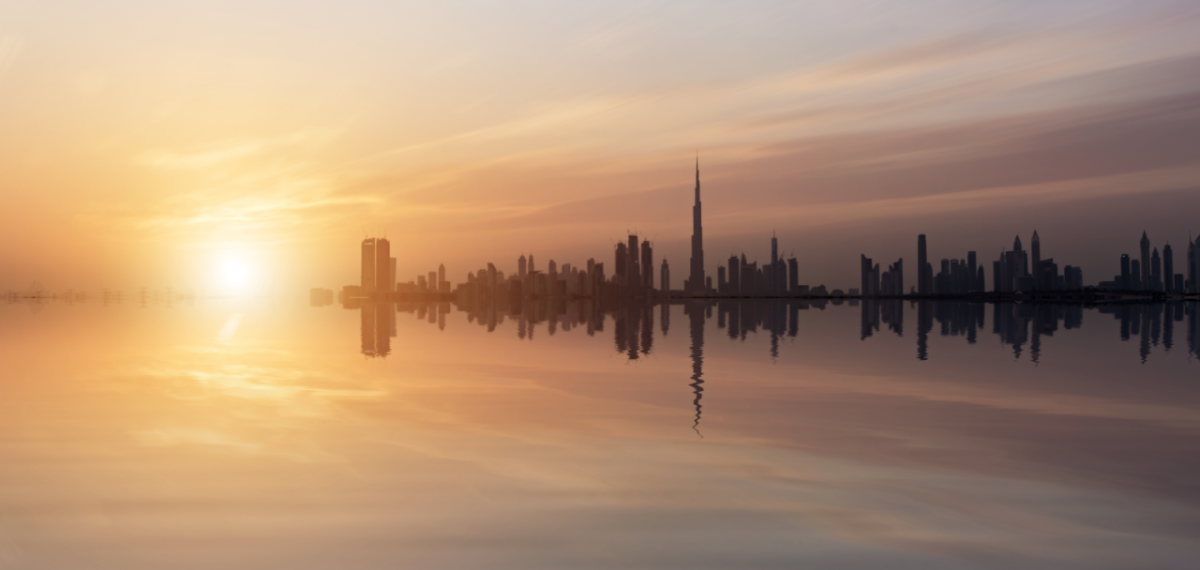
[{"x": 1019, "y": 326}]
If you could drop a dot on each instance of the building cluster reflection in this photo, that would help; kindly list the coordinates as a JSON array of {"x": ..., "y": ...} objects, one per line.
[
  {"x": 634, "y": 324},
  {"x": 1018, "y": 326}
]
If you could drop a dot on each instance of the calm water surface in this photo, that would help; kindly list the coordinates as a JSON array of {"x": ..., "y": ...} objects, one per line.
[{"x": 268, "y": 434}]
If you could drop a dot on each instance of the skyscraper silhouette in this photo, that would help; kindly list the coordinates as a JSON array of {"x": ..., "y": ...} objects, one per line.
[
  {"x": 923, "y": 275},
  {"x": 647, "y": 266},
  {"x": 695, "y": 282},
  {"x": 1144, "y": 275},
  {"x": 1126, "y": 280},
  {"x": 1035, "y": 246},
  {"x": 383, "y": 266},
  {"x": 368, "y": 267},
  {"x": 1168, "y": 269}
]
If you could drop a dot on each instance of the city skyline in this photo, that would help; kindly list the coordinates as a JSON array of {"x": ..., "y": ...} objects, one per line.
[
  {"x": 166, "y": 155},
  {"x": 1017, "y": 272}
]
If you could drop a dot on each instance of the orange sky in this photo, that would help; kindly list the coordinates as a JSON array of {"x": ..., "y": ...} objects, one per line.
[{"x": 146, "y": 144}]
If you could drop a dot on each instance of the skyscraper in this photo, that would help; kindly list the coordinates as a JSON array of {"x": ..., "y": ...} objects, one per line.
[
  {"x": 922, "y": 262},
  {"x": 665, "y": 278},
  {"x": 442, "y": 284},
  {"x": 647, "y": 266},
  {"x": 793, "y": 284},
  {"x": 1035, "y": 246},
  {"x": 620, "y": 258},
  {"x": 633, "y": 269},
  {"x": 735, "y": 276},
  {"x": 383, "y": 266},
  {"x": 1125, "y": 280},
  {"x": 1155, "y": 272},
  {"x": 521, "y": 268},
  {"x": 368, "y": 267},
  {"x": 867, "y": 269},
  {"x": 1191, "y": 266},
  {"x": 695, "y": 283},
  {"x": 1168, "y": 269},
  {"x": 776, "y": 270},
  {"x": 973, "y": 267},
  {"x": 1144, "y": 275},
  {"x": 1194, "y": 258}
]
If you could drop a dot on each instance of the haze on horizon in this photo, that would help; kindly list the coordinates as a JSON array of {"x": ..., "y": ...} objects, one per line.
[{"x": 145, "y": 143}]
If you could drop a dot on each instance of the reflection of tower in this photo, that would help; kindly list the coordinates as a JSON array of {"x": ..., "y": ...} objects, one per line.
[
  {"x": 695, "y": 282},
  {"x": 367, "y": 329},
  {"x": 924, "y": 325},
  {"x": 1143, "y": 314},
  {"x": 695, "y": 312},
  {"x": 385, "y": 325},
  {"x": 665, "y": 317},
  {"x": 869, "y": 322},
  {"x": 647, "y": 327},
  {"x": 378, "y": 326}
]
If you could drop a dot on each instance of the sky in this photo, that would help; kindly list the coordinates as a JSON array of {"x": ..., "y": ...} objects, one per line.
[{"x": 161, "y": 144}]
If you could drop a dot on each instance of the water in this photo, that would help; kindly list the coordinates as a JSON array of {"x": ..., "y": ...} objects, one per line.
[{"x": 267, "y": 434}]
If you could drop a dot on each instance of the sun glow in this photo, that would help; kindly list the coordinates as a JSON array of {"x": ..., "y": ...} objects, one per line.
[{"x": 236, "y": 274}]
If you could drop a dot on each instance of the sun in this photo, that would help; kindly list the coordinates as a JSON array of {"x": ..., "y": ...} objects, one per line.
[{"x": 236, "y": 273}]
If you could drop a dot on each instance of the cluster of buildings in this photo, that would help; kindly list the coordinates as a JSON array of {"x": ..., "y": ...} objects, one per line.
[
  {"x": 1154, "y": 273},
  {"x": 1013, "y": 272},
  {"x": 633, "y": 271}
]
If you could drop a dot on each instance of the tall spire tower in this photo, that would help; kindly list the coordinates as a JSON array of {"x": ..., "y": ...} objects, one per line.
[{"x": 695, "y": 282}]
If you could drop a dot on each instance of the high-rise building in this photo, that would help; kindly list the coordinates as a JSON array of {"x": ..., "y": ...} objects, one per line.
[
  {"x": 1194, "y": 262},
  {"x": 633, "y": 269},
  {"x": 368, "y": 267},
  {"x": 391, "y": 284},
  {"x": 383, "y": 266},
  {"x": 521, "y": 267},
  {"x": 793, "y": 285},
  {"x": 867, "y": 268},
  {"x": 1191, "y": 266},
  {"x": 443, "y": 285},
  {"x": 735, "y": 276},
  {"x": 776, "y": 269},
  {"x": 647, "y": 266},
  {"x": 1168, "y": 269},
  {"x": 1144, "y": 275},
  {"x": 695, "y": 282},
  {"x": 665, "y": 278},
  {"x": 1155, "y": 272},
  {"x": 1135, "y": 275},
  {"x": 620, "y": 258},
  {"x": 923, "y": 284},
  {"x": 976, "y": 285},
  {"x": 1035, "y": 247},
  {"x": 1126, "y": 282}
]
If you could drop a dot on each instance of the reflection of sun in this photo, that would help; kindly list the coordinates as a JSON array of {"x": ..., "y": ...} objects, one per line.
[{"x": 236, "y": 274}]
